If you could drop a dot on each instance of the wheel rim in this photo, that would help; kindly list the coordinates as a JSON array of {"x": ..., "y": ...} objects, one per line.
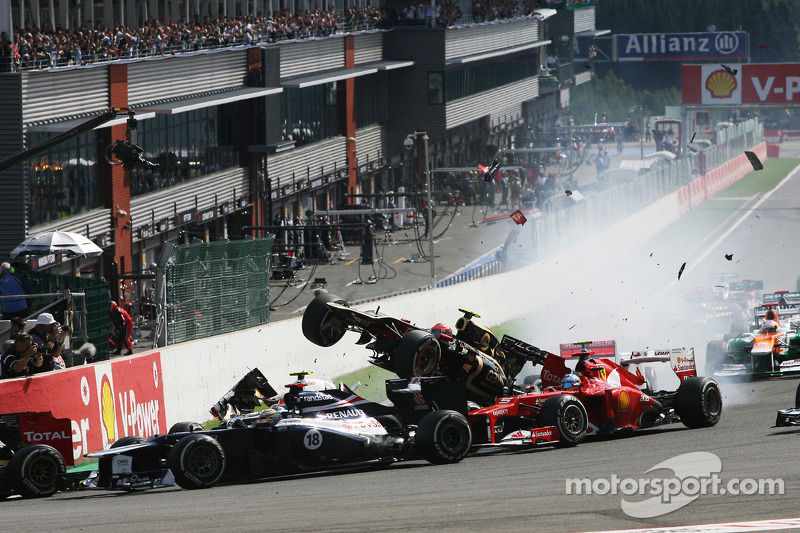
[
  {"x": 43, "y": 472},
  {"x": 427, "y": 359},
  {"x": 452, "y": 437},
  {"x": 713, "y": 401},
  {"x": 203, "y": 462},
  {"x": 327, "y": 330},
  {"x": 573, "y": 419}
]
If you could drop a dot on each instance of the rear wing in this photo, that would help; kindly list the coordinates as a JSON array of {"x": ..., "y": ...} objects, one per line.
[
  {"x": 244, "y": 397},
  {"x": 786, "y": 296},
  {"x": 681, "y": 360},
  {"x": 597, "y": 348},
  {"x": 21, "y": 429},
  {"x": 780, "y": 310}
]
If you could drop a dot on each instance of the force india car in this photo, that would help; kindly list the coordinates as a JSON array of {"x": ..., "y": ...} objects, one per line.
[
  {"x": 314, "y": 431},
  {"x": 474, "y": 356},
  {"x": 771, "y": 348},
  {"x": 35, "y": 450},
  {"x": 611, "y": 397}
]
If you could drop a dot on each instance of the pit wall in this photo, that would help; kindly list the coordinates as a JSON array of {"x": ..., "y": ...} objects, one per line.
[
  {"x": 145, "y": 394},
  {"x": 698, "y": 191}
]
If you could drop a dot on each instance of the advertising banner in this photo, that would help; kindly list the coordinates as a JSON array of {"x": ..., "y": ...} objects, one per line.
[
  {"x": 104, "y": 402},
  {"x": 723, "y": 46},
  {"x": 712, "y": 84}
]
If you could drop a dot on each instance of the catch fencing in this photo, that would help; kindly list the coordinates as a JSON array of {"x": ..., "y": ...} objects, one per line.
[{"x": 214, "y": 288}]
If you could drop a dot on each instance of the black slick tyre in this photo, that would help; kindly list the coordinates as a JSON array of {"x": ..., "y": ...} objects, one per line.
[
  {"x": 417, "y": 354},
  {"x": 185, "y": 427},
  {"x": 568, "y": 415},
  {"x": 197, "y": 461},
  {"x": 35, "y": 471},
  {"x": 320, "y": 326},
  {"x": 715, "y": 355},
  {"x": 443, "y": 437},
  {"x": 698, "y": 402},
  {"x": 797, "y": 396},
  {"x": 127, "y": 441}
]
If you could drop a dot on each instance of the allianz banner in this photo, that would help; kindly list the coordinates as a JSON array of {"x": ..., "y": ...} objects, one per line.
[{"x": 723, "y": 46}]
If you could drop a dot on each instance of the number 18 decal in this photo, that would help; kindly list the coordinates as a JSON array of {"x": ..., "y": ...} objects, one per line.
[{"x": 312, "y": 439}]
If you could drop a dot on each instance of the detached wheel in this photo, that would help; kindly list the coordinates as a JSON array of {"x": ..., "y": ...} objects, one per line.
[
  {"x": 417, "y": 354},
  {"x": 185, "y": 427},
  {"x": 197, "y": 461},
  {"x": 568, "y": 415},
  {"x": 35, "y": 470},
  {"x": 320, "y": 326},
  {"x": 715, "y": 355},
  {"x": 698, "y": 402},
  {"x": 443, "y": 437}
]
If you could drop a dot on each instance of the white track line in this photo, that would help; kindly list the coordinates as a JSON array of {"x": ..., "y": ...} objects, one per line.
[{"x": 729, "y": 527}]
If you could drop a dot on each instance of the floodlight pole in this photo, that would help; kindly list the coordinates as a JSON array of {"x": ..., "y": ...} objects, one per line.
[
  {"x": 424, "y": 136},
  {"x": 641, "y": 132}
]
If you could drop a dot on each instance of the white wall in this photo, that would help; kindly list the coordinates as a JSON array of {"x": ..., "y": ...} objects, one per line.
[{"x": 197, "y": 374}]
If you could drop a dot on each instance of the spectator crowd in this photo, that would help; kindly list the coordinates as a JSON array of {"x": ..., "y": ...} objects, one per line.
[{"x": 49, "y": 46}]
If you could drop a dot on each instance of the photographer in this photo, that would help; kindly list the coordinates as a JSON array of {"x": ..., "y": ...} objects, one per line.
[
  {"x": 49, "y": 337},
  {"x": 21, "y": 359}
]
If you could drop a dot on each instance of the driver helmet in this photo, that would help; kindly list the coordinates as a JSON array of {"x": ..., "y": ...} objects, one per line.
[
  {"x": 570, "y": 381},
  {"x": 440, "y": 329},
  {"x": 769, "y": 326}
]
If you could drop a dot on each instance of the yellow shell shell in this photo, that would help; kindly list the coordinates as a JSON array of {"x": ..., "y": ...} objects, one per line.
[{"x": 721, "y": 84}]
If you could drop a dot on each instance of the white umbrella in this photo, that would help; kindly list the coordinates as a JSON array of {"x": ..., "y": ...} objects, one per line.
[{"x": 59, "y": 242}]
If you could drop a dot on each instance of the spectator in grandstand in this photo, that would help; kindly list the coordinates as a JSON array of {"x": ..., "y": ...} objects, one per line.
[
  {"x": 17, "y": 326},
  {"x": 6, "y": 53},
  {"x": 14, "y": 284},
  {"x": 21, "y": 359},
  {"x": 121, "y": 330},
  {"x": 49, "y": 336}
]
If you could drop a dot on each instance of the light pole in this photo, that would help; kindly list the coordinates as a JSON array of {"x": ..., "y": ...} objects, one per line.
[
  {"x": 409, "y": 143},
  {"x": 641, "y": 127}
]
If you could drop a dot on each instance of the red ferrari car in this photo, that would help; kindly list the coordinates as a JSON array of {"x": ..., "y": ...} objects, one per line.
[{"x": 600, "y": 397}]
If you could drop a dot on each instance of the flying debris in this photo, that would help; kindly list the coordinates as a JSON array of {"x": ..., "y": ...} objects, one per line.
[
  {"x": 518, "y": 217},
  {"x": 729, "y": 257},
  {"x": 729, "y": 70},
  {"x": 572, "y": 326},
  {"x": 568, "y": 192},
  {"x": 490, "y": 171},
  {"x": 754, "y": 160},
  {"x": 680, "y": 272},
  {"x": 587, "y": 66},
  {"x": 693, "y": 135}
]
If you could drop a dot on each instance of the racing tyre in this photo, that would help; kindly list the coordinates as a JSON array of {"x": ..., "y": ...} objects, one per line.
[
  {"x": 568, "y": 415},
  {"x": 443, "y": 437},
  {"x": 417, "y": 354},
  {"x": 35, "y": 471},
  {"x": 185, "y": 427},
  {"x": 698, "y": 402},
  {"x": 715, "y": 355},
  {"x": 320, "y": 326},
  {"x": 197, "y": 461},
  {"x": 127, "y": 441},
  {"x": 797, "y": 397},
  {"x": 389, "y": 422}
]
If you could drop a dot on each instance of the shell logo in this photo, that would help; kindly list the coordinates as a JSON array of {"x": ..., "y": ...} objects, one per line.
[
  {"x": 721, "y": 84},
  {"x": 107, "y": 409},
  {"x": 624, "y": 400},
  {"x": 679, "y": 360}
]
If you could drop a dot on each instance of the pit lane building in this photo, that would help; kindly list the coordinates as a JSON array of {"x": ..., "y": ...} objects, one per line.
[{"x": 245, "y": 134}]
